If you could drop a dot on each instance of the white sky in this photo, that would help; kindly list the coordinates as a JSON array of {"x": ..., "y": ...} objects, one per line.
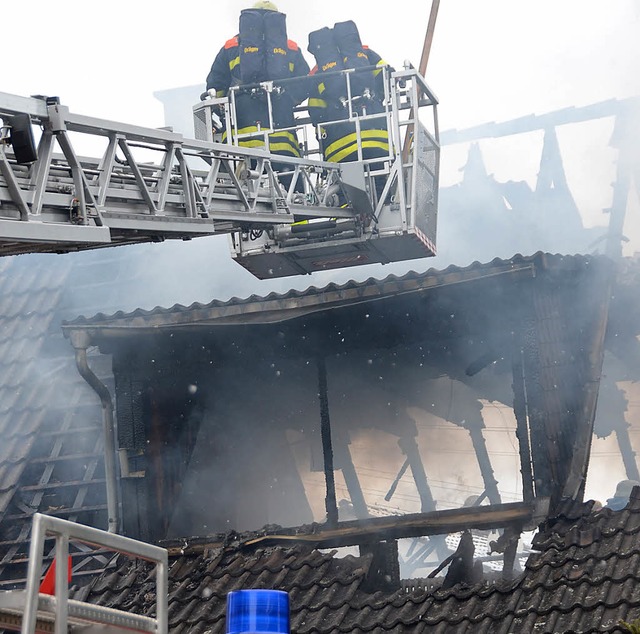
[{"x": 491, "y": 59}]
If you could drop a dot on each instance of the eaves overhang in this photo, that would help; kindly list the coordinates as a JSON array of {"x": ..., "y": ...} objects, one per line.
[{"x": 276, "y": 308}]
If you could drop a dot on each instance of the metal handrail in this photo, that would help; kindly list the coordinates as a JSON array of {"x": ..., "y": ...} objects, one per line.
[{"x": 63, "y": 530}]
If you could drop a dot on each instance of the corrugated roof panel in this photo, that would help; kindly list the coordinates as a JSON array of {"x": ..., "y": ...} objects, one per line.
[{"x": 276, "y": 307}]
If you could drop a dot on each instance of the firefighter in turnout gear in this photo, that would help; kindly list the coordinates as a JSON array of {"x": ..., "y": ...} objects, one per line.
[
  {"x": 261, "y": 51},
  {"x": 337, "y": 49}
]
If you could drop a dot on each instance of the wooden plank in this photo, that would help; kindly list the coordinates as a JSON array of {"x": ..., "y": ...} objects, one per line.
[{"x": 524, "y": 515}]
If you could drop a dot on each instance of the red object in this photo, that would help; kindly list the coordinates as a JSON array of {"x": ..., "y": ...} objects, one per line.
[{"x": 48, "y": 585}]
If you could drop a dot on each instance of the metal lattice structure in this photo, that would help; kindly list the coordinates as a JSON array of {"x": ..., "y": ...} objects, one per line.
[{"x": 148, "y": 184}]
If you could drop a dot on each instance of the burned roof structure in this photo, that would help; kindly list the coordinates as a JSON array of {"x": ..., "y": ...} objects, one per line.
[
  {"x": 584, "y": 579},
  {"x": 225, "y": 382},
  {"x": 525, "y": 331}
]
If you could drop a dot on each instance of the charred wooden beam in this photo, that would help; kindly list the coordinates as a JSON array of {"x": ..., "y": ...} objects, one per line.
[
  {"x": 627, "y": 452},
  {"x": 384, "y": 572},
  {"x": 484, "y": 462},
  {"x": 327, "y": 448},
  {"x": 352, "y": 481},
  {"x": 410, "y": 449},
  {"x": 356, "y": 532},
  {"x": 577, "y": 473},
  {"x": 521, "y": 411}
]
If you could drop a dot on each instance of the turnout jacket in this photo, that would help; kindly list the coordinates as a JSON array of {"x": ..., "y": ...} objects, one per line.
[
  {"x": 225, "y": 70},
  {"x": 339, "y": 140},
  {"x": 251, "y": 109}
]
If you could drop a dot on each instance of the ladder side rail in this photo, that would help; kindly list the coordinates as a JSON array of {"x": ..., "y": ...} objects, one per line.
[
  {"x": 61, "y": 121},
  {"x": 159, "y": 140},
  {"x": 14, "y": 104},
  {"x": 102, "y": 127}
]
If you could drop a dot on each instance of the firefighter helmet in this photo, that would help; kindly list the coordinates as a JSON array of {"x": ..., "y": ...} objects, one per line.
[{"x": 265, "y": 5}]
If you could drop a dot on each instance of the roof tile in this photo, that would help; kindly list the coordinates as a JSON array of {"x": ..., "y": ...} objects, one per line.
[{"x": 586, "y": 578}]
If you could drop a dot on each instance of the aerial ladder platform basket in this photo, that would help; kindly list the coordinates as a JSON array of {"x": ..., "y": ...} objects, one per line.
[{"x": 137, "y": 184}]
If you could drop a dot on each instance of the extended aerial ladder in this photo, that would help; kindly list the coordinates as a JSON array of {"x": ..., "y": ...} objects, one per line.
[{"x": 145, "y": 184}]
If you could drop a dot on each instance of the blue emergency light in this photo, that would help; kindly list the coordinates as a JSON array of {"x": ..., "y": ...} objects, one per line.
[{"x": 257, "y": 612}]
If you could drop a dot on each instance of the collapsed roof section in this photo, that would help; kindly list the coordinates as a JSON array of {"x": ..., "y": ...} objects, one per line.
[
  {"x": 539, "y": 319},
  {"x": 584, "y": 579}
]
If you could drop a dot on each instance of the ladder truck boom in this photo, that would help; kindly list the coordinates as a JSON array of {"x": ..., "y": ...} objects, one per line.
[{"x": 147, "y": 185}]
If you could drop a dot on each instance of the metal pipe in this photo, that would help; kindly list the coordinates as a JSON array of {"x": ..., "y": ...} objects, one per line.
[
  {"x": 62, "y": 584},
  {"x": 162, "y": 594},
  {"x": 36, "y": 548},
  {"x": 80, "y": 341}
]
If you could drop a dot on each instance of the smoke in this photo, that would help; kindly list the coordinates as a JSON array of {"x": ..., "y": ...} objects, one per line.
[{"x": 257, "y": 443}]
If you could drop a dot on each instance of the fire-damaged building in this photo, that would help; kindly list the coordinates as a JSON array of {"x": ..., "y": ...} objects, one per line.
[
  {"x": 405, "y": 453},
  {"x": 227, "y": 410},
  {"x": 230, "y": 392}
]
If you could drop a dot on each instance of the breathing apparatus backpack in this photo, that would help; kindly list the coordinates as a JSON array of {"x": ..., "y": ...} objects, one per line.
[
  {"x": 348, "y": 41},
  {"x": 276, "y": 45},
  {"x": 329, "y": 60},
  {"x": 338, "y": 49},
  {"x": 263, "y": 46}
]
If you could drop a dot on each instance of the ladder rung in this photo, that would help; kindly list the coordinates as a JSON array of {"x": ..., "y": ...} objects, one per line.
[
  {"x": 61, "y": 485},
  {"x": 60, "y": 512},
  {"x": 77, "y": 456},
  {"x": 73, "y": 430},
  {"x": 74, "y": 555},
  {"x": 12, "y": 583}
]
